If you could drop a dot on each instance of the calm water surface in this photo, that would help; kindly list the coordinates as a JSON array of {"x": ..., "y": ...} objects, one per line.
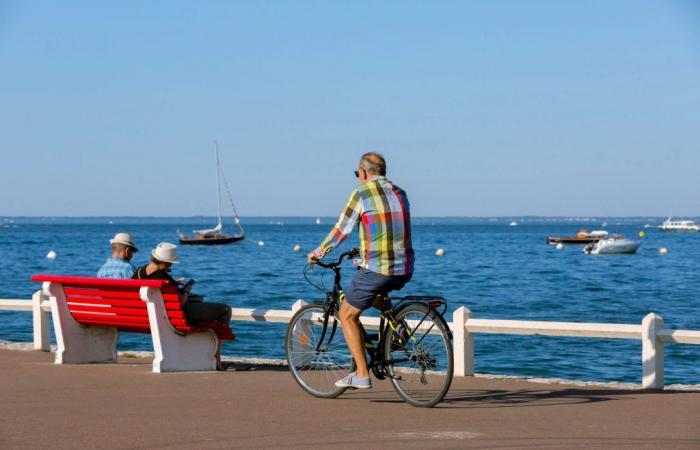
[{"x": 498, "y": 271}]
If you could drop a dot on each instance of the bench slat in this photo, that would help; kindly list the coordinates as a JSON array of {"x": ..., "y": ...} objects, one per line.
[
  {"x": 122, "y": 293},
  {"x": 117, "y": 302},
  {"x": 90, "y": 318},
  {"x": 118, "y": 312}
]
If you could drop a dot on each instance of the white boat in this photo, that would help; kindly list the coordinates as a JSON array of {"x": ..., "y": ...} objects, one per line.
[
  {"x": 679, "y": 225},
  {"x": 214, "y": 236},
  {"x": 612, "y": 245},
  {"x": 513, "y": 224}
]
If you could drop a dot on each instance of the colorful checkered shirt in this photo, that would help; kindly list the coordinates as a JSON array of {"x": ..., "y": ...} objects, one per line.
[
  {"x": 116, "y": 268},
  {"x": 385, "y": 233}
]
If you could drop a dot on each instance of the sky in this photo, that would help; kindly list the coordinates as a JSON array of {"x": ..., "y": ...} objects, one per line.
[{"x": 493, "y": 108}]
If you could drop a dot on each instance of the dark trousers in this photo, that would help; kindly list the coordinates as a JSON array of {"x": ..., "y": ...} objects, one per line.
[{"x": 197, "y": 312}]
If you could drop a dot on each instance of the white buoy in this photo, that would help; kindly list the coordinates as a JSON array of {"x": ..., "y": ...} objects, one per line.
[
  {"x": 261, "y": 243},
  {"x": 51, "y": 255},
  {"x": 663, "y": 250},
  {"x": 440, "y": 252},
  {"x": 560, "y": 246},
  {"x": 296, "y": 248}
]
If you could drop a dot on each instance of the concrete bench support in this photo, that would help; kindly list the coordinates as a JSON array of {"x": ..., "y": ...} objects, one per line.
[
  {"x": 176, "y": 351},
  {"x": 76, "y": 343}
]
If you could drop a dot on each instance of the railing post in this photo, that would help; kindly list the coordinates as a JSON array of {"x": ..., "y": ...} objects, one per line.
[
  {"x": 298, "y": 305},
  {"x": 463, "y": 343},
  {"x": 652, "y": 352},
  {"x": 41, "y": 320}
]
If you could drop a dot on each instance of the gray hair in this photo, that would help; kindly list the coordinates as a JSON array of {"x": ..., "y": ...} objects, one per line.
[
  {"x": 373, "y": 163},
  {"x": 116, "y": 247}
]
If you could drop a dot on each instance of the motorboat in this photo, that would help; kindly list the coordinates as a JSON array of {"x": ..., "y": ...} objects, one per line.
[
  {"x": 513, "y": 224},
  {"x": 612, "y": 245},
  {"x": 583, "y": 237},
  {"x": 679, "y": 225}
]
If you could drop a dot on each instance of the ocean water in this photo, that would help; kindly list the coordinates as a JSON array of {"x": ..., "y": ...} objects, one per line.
[{"x": 497, "y": 271}]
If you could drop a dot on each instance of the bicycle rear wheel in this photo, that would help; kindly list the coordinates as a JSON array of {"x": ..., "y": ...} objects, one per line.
[
  {"x": 316, "y": 367},
  {"x": 419, "y": 356}
]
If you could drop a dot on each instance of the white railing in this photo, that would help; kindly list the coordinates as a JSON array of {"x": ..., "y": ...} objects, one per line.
[{"x": 651, "y": 332}]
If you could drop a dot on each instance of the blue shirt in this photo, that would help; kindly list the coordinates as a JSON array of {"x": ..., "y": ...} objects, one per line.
[{"x": 116, "y": 268}]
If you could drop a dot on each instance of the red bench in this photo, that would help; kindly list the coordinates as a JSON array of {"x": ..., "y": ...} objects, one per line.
[{"x": 89, "y": 312}]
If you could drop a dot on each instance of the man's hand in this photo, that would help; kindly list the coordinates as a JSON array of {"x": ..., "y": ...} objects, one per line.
[{"x": 311, "y": 258}]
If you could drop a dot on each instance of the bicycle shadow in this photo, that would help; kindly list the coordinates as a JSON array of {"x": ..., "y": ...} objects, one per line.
[{"x": 502, "y": 398}]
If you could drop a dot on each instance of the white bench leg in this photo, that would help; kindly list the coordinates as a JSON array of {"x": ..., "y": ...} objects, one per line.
[
  {"x": 173, "y": 351},
  {"x": 76, "y": 343}
]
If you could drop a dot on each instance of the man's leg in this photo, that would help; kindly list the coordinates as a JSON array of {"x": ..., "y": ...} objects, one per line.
[{"x": 350, "y": 321}]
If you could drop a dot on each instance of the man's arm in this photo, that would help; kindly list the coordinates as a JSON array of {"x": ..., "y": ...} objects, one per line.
[{"x": 341, "y": 230}]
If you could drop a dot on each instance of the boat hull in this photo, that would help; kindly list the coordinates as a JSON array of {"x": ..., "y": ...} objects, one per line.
[
  {"x": 617, "y": 247},
  {"x": 218, "y": 240},
  {"x": 553, "y": 240}
]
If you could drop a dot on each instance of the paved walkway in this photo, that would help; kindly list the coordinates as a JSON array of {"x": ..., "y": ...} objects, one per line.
[{"x": 127, "y": 406}]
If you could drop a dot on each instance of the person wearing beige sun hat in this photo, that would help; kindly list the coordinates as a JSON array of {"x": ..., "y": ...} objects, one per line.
[
  {"x": 119, "y": 264},
  {"x": 196, "y": 311}
]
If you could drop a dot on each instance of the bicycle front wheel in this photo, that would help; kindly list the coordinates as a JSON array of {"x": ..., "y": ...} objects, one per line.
[
  {"x": 419, "y": 356},
  {"x": 316, "y": 359}
]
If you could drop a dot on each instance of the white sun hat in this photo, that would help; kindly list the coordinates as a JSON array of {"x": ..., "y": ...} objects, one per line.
[
  {"x": 165, "y": 252},
  {"x": 124, "y": 239}
]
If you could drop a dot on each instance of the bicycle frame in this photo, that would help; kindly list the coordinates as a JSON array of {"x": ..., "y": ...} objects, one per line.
[{"x": 387, "y": 321}]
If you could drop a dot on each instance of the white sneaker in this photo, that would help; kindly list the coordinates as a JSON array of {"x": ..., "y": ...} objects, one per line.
[{"x": 354, "y": 382}]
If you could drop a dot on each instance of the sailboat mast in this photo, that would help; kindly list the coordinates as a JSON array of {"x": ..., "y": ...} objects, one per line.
[{"x": 218, "y": 183}]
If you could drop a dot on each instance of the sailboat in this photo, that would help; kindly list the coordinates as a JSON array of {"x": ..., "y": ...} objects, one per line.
[{"x": 214, "y": 236}]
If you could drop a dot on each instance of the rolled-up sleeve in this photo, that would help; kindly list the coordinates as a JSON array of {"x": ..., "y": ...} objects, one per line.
[{"x": 341, "y": 230}]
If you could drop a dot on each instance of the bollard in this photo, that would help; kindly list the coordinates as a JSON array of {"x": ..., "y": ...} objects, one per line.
[
  {"x": 463, "y": 343},
  {"x": 652, "y": 352},
  {"x": 41, "y": 322}
]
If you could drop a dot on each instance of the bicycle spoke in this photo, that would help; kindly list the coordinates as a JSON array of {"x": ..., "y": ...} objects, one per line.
[
  {"x": 420, "y": 356},
  {"x": 316, "y": 364}
]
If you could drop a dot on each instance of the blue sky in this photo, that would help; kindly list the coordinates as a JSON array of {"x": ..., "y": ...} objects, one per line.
[{"x": 481, "y": 108}]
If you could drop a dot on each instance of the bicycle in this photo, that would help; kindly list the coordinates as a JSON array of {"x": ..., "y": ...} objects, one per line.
[{"x": 412, "y": 346}]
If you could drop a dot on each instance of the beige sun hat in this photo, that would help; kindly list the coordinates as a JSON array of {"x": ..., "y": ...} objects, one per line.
[
  {"x": 124, "y": 239},
  {"x": 165, "y": 252}
]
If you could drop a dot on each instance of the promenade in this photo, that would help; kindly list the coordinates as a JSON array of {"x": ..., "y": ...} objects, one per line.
[{"x": 127, "y": 406}]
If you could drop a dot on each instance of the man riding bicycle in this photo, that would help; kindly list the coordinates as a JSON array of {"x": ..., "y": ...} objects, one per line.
[{"x": 385, "y": 248}]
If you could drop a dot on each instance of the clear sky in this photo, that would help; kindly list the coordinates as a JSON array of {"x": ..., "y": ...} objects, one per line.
[{"x": 481, "y": 108}]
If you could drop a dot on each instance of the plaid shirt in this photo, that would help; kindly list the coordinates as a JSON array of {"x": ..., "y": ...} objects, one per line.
[
  {"x": 385, "y": 234},
  {"x": 116, "y": 268}
]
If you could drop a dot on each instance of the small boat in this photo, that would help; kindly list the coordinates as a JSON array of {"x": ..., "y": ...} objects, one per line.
[
  {"x": 214, "y": 236},
  {"x": 583, "y": 237},
  {"x": 513, "y": 224},
  {"x": 614, "y": 245},
  {"x": 679, "y": 225}
]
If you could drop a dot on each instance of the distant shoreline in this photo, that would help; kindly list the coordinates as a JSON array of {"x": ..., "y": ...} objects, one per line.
[{"x": 507, "y": 217}]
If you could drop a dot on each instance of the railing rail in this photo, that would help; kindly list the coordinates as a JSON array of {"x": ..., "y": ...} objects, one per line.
[{"x": 650, "y": 332}]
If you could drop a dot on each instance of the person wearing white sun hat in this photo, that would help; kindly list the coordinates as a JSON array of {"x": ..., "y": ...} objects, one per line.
[
  {"x": 196, "y": 311},
  {"x": 119, "y": 264}
]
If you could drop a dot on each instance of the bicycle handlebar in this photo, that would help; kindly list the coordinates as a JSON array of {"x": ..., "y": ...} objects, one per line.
[{"x": 334, "y": 264}]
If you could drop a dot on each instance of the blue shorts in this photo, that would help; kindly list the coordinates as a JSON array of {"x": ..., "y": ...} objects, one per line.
[{"x": 367, "y": 284}]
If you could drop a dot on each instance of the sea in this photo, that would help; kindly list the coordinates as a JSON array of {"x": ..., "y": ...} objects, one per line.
[{"x": 497, "y": 270}]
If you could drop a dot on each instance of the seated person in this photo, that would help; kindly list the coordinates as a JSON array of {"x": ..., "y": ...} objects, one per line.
[
  {"x": 119, "y": 265},
  {"x": 162, "y": 259}
]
